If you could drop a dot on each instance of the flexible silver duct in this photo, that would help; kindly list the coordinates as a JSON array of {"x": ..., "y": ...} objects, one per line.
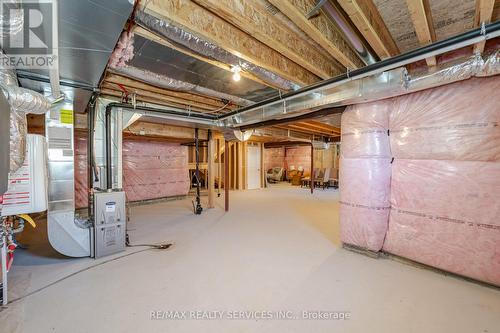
[
  {"x": 170, "y": 83},
  {"x": 22, "y": 101},
  {"x": 205, "y": 48},
  {"x": 387, "y": 84},
  {"x": 12, "y": 20}
]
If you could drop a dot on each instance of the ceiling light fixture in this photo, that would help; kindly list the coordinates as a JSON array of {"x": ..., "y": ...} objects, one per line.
[{"x": 236, "y": 73}]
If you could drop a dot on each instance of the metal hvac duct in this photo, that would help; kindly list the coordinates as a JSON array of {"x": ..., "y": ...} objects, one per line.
[
  {"x": 67, "y": 235},
  {"x": 384, "y": 79},
  {"x": 22, "y": 101}
]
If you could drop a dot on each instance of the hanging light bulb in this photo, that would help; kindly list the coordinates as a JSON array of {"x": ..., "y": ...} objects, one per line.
[{"x": 236, "y": 73}]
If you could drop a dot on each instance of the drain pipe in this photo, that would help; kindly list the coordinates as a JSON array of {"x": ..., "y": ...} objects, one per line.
[
  {"x": 351, "y": 35},
  {"x": 172, "y": 112},
  {"x": 486, "y": 32}
]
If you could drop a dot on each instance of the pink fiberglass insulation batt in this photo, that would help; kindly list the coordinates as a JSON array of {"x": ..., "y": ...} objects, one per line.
[
  {"x": 151, "y": 170},
  {"x": 364, "y": 130},
  {"x": 365, "y": 173},
  {"x": 447, "y": 214},
  {"x": 123, "y": 52},
  {"x": 154, "y": 170},
  {"x": 453, "y": 122},
  {"x": 81, "y": 186},
  {"x": 364, "y": 201}
]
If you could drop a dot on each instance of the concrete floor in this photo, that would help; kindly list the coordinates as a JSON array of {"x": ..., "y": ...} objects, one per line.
[{"x": 277, "y": 249}]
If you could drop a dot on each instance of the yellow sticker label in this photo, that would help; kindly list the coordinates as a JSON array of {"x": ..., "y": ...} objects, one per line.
[{"x": 66, "y": 116}]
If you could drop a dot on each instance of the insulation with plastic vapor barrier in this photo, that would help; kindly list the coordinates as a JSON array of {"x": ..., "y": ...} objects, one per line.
[
  {"x": 365, "y": 175},
  {"x": 445, "y": 183},
  {"x": 153, "y": 170}
]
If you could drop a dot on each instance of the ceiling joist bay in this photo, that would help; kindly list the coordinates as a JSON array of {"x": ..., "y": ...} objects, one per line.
[
  {"x": 134, "y": 84},
  {"x": 163, "y": 41},
  {"x": 208, "y": 26},
  {"x": 320, "y": 29},
  {"x": 255, "y": 20},
  {"x": 484, "y": 13},
  {"x": 365, "y": 16},
  {"x": 421, "y": 16}
]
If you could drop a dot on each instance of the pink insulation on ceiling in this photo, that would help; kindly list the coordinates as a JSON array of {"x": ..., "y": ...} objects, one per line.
[
  {"x": 153, "y": 169},
  {"x": 447, "y": 214},
  {"x": 124, "y": 50},
  {"x": 365, "y": 174}
]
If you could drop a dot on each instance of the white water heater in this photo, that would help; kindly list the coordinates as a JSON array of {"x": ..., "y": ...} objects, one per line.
[{"x": 27, "y": 187}]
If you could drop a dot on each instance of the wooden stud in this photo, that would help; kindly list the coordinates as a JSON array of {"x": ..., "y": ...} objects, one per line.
[
  {"x": 240, "y": 166},
  {"x": 226, "y": 176},
  {"x": 212, "y": 28},
  {"x": 421, "y": 16},
  {"x": 484, "y": 13},
  {"x": 211, "y": 171},
  {"x": 366, "y": 17},
  {"x": 262, "y": 170},
  {"x": 253, "y": 18},
  {"x": 312, "y": 169},
  {"x": 320, "y": 29}
]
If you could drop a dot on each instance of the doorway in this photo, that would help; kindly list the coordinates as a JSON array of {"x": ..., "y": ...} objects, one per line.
[{"x": 253, "y": 167}]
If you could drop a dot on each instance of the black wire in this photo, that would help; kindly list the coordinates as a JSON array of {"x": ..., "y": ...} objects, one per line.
[
  {"x": 86, "y": 269},
  {"x": 152, "y": 246}
]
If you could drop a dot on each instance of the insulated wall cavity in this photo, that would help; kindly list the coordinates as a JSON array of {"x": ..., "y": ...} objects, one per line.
[
  {"x": 365, "y": 175},
  {"x": 458, "y": 122},
  {"x": 446, "y": 178},
  {"x": 446, "y": 214},
  {"x": 153, "y": 169}
]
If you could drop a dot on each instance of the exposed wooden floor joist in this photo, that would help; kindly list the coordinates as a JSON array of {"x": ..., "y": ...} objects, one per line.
[
  {"x": 152, "y": 91},
  {"x": 320, "y": 29},
  {"x": 211, "y": 27},
  {"x": 255, "y": 20},
  {"x": 421, "y": 16},
  {"x": 367, "y": 19},
  {"x": 484, "y": 12},
  {"x": 161, "y": 40}
]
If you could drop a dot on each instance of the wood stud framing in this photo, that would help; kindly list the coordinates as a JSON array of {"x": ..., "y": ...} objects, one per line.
[
  {"x": 251, "y": 31},
  {"x": 211, "y": 27},
  {"x": 320, "y": 29},
  {"x": 421, "y": 16},
  {"x": 484, "y": 13},
  {"x": 367, "y": 19},
  {"x": 251, "y": 17}
]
